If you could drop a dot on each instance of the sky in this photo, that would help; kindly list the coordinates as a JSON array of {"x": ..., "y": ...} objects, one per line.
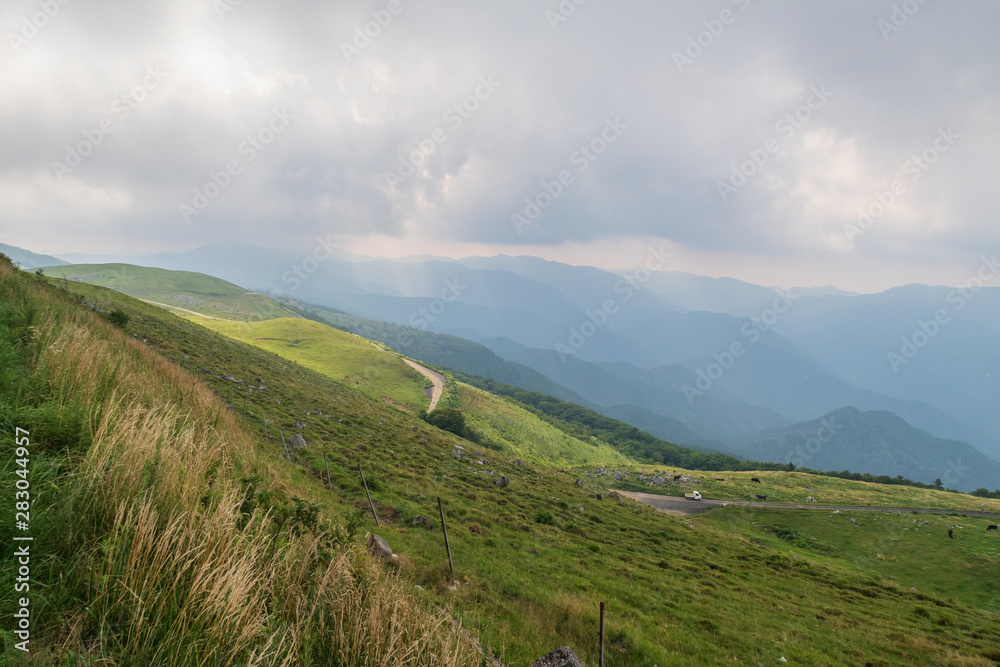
[{"x": 784, "y": 143}]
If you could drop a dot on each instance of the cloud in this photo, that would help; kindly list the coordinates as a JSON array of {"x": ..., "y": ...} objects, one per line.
[{"x": 356, "y": 117}]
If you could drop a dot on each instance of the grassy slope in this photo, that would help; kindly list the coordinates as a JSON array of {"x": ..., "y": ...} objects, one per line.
[
  {"x": 149, "y": 547},
  {"x": 675, "y": 595},
  {"x": 183, "y": 289},
  {"x": 336, "y": 354},
  {"x": 356, "y": 361},
  {"x": 525, "y": 435},
  {"x": 912, "y": 549},
  {"x": 793, "y": 487}
]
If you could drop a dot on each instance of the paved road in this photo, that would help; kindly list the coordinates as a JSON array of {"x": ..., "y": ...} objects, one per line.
[
  {"x": 436, "y": 379},
  {"x": 682, "y": 506}
]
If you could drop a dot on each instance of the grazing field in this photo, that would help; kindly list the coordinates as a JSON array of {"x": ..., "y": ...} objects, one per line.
[
  {"x": 532, "y": 559},
  {"x": 911, "y": 549},
  {"x": 796, "y": 487}
]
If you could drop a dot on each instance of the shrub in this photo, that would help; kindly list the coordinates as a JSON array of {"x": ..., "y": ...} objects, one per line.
[
  {"x": 119, "y": 318},
  {"x": 545, "y": 518}
]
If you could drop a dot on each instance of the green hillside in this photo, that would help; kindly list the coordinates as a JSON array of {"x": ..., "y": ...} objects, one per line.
[
  {"x": 336, "y": 354},
  {"x": 911, "y": 549},
  {"x": 524, "y": 435},
  {"x": 182, "y": 291},
  {"x": 532, "y": 559},
  {"x": 500, "y": 424}
]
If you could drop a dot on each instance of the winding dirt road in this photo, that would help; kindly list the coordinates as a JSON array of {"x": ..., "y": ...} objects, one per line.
[
  {"x": 683, "y": 507},
  {"x": 436, "y": 379},
  {"x": 164, "y": 305}
]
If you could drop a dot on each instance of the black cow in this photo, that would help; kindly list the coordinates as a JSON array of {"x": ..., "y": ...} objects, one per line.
[
  {"x": 720, "y": 479},
  {"x": 755, "y": 480},
  {"x": 989, "y": 528},
  {"x": 759, "y": 497},
  {"x": 950, "y": 534}
]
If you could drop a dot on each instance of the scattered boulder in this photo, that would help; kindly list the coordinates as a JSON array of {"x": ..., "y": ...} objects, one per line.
[
  {"x": 258, "y": 381},
  {"x": 421, "y": 520},
  {"x": 579, "y": 482},
  {"x": 517, "y": 462},
  {"x": 297, "y": 442},
  {"x": 378, "y": 547},
  {"x": 503, "y": 481},
  {"x": 299, "y": 425},
  {"x": 458, "y": 452},
  {"x": 561, "y": 657}
]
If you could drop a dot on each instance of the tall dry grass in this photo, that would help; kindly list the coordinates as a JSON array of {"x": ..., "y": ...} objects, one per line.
[{"x": 176, "y": 575}]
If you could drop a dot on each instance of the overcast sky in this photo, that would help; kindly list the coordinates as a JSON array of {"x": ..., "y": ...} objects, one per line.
[{"x": 829, "y": 101}]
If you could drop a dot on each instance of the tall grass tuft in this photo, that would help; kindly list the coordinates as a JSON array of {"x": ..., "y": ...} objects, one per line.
[{"x": 159, "y": 562}]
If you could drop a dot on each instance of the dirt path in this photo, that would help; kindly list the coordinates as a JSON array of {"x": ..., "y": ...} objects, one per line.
[
  {"x": 436, "y": 379},
  {"x": 683, "y": 507},
  {"x": 164, "y": 305}
]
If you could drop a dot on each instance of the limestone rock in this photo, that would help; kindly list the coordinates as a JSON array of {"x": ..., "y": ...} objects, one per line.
[
  {"x": 378, "y": 547},
  {"x": 561, "y": 657}
]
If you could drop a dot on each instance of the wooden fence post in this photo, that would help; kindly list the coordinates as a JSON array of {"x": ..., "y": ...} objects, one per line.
[
  {"x": 285, "y": 444},
  {"x": 444, "y": 527},
  {"x": 328, "y": 480},
  {"x": 367, "y": 492},
  {"x": 601, "y": 644}
]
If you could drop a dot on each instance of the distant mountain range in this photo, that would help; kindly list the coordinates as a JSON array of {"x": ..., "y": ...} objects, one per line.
[
  {"x": 877, "y": 442},
  {"x": 28, "y": 259},
  {"x": 704, "y": 361}
]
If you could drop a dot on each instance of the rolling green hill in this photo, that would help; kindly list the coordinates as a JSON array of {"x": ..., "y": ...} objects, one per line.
[
  {"x": 183, "y": 291},
  {"x": 336, "y": 354},
  {"x": 519, "y": 433},
  {"x": 533, "y": 559},
  {"x": 502, "y": 425}
]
